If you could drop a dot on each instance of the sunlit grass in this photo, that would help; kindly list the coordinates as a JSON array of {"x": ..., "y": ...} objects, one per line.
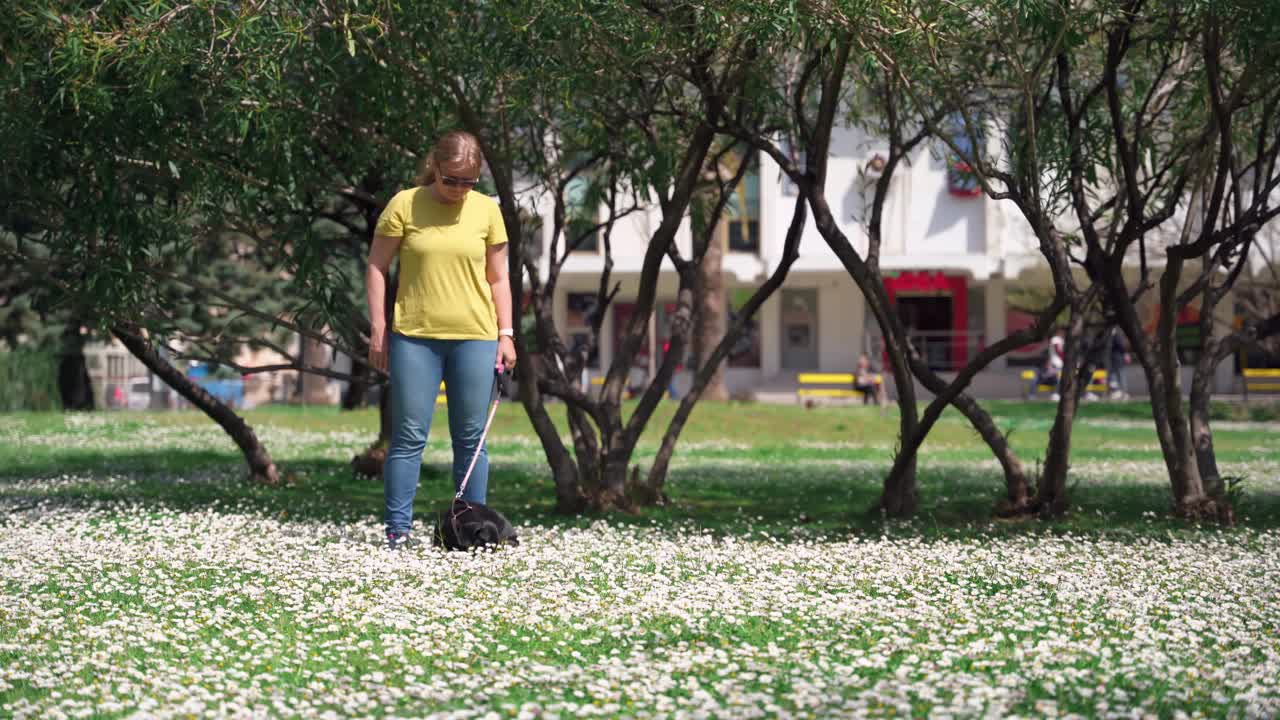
[{"x": 139, "y": 574}]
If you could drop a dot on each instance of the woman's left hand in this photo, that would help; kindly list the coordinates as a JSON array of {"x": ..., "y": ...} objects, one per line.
[{"x": 506, "y": 359}]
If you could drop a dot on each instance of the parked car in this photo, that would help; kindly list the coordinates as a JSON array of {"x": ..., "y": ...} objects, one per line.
[{"x": 138, "y": 393}]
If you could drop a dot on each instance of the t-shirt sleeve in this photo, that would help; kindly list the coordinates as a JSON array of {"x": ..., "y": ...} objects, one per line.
[
  {"x": 497, "y": 228},
  {"x": 391, "y": 221}
]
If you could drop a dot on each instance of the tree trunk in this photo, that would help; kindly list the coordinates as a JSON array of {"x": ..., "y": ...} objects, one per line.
[
  {"x": 261, "y": 468},
  {"x": 357, "y": 393},
  {"x": 1164, "y": 422},
  {"x": 1051, "y": 496},
  {"x": 1201, "y": 432},
  {"x": 611, "y": 493},
  {"x": 900, "y": 496},
  {"x": 1172, "y": 429},
  {"x": 1159, "y": 361},
  {"x": 1017, "y": 486},
  {"x": 709, "y": 320},
  {"x": 315, "y": 388},
  {"x": 74, "y": 384},
  {"x": 1189, "y": 496},
  {"x": 585, "y": 449},
  {"x": 653, "y": 491},
  {"x": 373, "y": 459},
  {"x": 565, "y": 474},
  {"x": 1191, "y": 500},
  {"x": 1216, "y": 350}
]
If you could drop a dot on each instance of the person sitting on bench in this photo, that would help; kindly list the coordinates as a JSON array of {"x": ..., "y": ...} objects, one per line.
[
  {"x": 867, "y": 382},
  {"x": 1051, "y": 372}
]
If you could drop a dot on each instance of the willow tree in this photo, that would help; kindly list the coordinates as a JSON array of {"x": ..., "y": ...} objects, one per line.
[
  {"x": 238, "y": 159},
  {"x": 1146, "y": 131},
  {"x": 1233, "y": 194},
  {"x": 839, "y": 69},
  {"x": 125, "y": 156},
  {"x": 1181, "y": 100},
  {"x": 556, "y": 92},
  {"x": 983, "y": 102}
]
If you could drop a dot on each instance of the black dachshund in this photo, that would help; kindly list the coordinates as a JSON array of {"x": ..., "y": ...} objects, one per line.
[{"x": 465, "y": 525}]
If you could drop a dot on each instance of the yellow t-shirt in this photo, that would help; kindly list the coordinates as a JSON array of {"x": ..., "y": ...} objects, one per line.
[{"x": 444, "y": 292}]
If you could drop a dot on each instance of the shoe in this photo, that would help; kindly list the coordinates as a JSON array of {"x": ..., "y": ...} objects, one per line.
[
  {"x": 1055, "y": 397},
  {"x": 398, "y": 540},
  {"x": 1089, "y": 396}
]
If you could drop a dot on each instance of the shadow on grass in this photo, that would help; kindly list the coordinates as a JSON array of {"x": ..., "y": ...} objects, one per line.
[
  {"x": 1261, "y": 410},
  {"x": 1127, "y": 410},
  {"x": 956, "y": 500},
  {"x": 44, "y": 462}
]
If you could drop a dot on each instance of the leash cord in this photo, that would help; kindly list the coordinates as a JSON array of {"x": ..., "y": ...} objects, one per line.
[{"x": 497, "y": 398}]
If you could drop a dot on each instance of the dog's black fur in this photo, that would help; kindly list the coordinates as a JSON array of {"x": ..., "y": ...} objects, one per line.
[{"x": 465, "y": 525}]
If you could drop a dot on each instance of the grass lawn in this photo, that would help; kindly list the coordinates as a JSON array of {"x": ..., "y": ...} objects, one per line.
[{"x": 139, "y": 576}]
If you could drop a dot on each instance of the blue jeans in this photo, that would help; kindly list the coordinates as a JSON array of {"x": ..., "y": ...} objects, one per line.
[
  {"x": 1115, "y": 374},
  {"x": 417, "y": 366}
]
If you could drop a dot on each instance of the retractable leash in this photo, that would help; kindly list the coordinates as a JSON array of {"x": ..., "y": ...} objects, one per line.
[{"x": 497, "y": 398}]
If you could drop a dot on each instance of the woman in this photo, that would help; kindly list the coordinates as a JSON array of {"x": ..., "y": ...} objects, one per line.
[{"x": 452, "y": 319}]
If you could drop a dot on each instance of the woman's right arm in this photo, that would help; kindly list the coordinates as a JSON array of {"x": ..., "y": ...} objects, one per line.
[{"x": 381, "y": 253}]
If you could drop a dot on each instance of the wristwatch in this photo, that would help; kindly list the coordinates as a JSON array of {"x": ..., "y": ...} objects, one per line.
[{"x": 509, "y": 332}]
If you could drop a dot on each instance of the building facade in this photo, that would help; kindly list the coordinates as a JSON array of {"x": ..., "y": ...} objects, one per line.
[{"x": 955, "y": 262}]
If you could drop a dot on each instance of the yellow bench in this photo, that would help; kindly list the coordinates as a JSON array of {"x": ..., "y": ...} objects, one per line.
[
  {"x": 1097, "y": 383},
  {"x": 1029, "y": 376},
  {"x": 828, "y": 385},
  {"x": 1261, "y": 380}
]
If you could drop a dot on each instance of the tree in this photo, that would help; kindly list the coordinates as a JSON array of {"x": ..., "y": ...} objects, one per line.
[
  {"x": 1119, "y": 131},
  {"x": 97, "y": 128},
  {"x": 817, "y": 81},
  {"x": 639, "y": 131},
  {"x": 1176, "y": 156},
  {"x": 1231, "y": 206}
]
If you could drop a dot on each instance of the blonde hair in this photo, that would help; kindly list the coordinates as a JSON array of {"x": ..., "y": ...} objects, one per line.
[{"x": 456, "y": 147}]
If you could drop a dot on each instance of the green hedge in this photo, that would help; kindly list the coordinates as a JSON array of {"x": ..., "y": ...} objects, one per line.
[{"x": 29, "y": 380}]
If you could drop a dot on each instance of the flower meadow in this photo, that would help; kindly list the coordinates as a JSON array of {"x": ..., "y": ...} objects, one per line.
[{"x": 117, "y": 602}]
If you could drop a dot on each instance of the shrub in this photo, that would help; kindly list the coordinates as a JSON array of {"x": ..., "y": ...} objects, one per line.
[{"x": 29, "y": 380}]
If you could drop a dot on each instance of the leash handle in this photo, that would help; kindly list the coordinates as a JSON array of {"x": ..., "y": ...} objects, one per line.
[{"x": 498, "y": 385}]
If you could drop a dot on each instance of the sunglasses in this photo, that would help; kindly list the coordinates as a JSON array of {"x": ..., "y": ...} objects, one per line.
[{"x": 452, "y": 181}]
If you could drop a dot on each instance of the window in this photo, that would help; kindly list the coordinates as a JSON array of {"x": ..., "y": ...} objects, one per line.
[
  {"x": 1186, "y": 335},
  {"x": 746, "y": 351},
  {"x": 961, "y": 179},
  {"x": 115, "y": 366},
  {"x": 531, "y": 235},
  {"x": 799, "y": 160},
  {"x": 622, "y": 313},
  {"x": 663, "y": 314},
  {"x": 582, "y": 200},
  {"x": 742, "y": 213},
  {"x": 582, "y": 313}
]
